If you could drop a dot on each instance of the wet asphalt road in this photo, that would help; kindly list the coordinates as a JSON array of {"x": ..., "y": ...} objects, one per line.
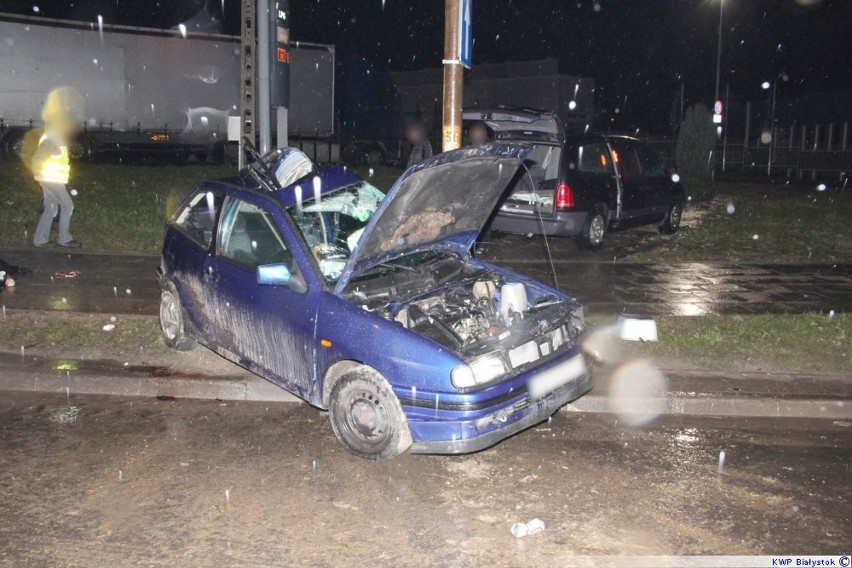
[
  {"x": 126, "y": 284},
  {"x": 99, "y": 481}
]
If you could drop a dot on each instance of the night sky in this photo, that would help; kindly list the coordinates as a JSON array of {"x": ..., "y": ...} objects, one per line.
[{"x": 638, "y": 51}]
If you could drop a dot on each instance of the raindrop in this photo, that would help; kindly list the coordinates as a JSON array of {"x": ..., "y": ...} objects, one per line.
[
  {"x": 755, "y": 237},
  {"x": 371, "y": 172},
  {"x": 721, "y": 461},
  {"x": 95, "y": 60},
  {"x": 766, "y": 137},
  {"x": 182, "y": 29},
  {"x": 317, "y": 182},
  {"x": 572, "y": 105},
  {"x": 120, "y": 475},
  {"x": 127, "y": 291},
  {"x": 821, "y": 187},
  {"x": 227, "y": 498},
  {"x": 36, "y": 9},
  {"x": 731, "y": 208}
]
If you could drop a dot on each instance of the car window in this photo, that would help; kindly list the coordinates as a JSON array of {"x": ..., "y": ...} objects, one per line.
[
  {"x": 651, "y": 164},
  {"x": 543, "y": 162},
  {"x": 332, "y": 224},
  {"x": 199, "y": 217},
  {"x": 624, "y": 154},
  {"x": 249, "y": 236},
  {"x": 593, "y": 158}
]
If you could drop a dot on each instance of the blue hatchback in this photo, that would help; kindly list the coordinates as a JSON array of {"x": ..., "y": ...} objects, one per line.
[{"x": 370, "y": 305}]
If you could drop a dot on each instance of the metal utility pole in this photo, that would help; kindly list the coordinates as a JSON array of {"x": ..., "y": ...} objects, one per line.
[
  {"x": 248, "y": 67},
  {"x": 451, "y": 133},
  {"x": 719, "y": 49},
  {"x": 264, "y": 128}
]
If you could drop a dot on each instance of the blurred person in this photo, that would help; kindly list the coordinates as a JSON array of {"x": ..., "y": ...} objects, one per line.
[
  {"x": 416, "y": 134},
  {"x": 51, "y": 165},
  {"x": 478, "y": 134}
]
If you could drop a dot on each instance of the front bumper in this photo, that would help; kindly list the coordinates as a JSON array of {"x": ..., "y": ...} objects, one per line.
[{"x": 520, "y": 414}]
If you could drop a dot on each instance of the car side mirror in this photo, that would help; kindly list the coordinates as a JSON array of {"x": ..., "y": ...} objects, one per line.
[{"x": 280, "y": 275}]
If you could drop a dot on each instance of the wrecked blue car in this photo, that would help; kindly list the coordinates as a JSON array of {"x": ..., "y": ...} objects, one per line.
[{"x": 370, "y": 305}]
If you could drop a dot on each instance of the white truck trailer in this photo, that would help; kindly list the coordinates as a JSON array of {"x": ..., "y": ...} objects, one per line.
[{"x": 149, "y": 92}]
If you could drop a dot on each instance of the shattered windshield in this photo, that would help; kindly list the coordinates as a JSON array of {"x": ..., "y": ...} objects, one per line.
[{"x": 332, "y": 224}]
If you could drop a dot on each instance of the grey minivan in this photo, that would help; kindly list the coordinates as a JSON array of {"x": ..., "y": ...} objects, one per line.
[{"x": 581, "y": 185}]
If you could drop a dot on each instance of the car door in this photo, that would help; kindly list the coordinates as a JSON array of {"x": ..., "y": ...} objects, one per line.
[
  {"x": 267, "y": 328},
  {"x": 637, "y": 202},
  {"x": 188, "y": 247},
  {"x": 657, "y": 183}
]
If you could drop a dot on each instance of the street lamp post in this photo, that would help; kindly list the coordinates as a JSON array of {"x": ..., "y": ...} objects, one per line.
[
  {"x": 719, "y": 48},
  {"x": 718, "y": 73}
]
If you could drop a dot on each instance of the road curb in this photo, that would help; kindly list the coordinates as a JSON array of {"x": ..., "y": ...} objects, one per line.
[
  {"x": 726, "y": 406},
  {"x": 252, "y": 388}
]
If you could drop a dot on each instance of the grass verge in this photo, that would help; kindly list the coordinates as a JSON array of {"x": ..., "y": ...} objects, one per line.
[
  {"x": 80, "y": 335},
  {"x": 770, "y": 343},
  {"x": 744, "y": 222},
  {"x": 783, "y": 343}
]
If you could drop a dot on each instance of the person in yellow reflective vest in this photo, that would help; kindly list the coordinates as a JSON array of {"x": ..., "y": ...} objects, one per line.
[{"x": 52, "y": 168}]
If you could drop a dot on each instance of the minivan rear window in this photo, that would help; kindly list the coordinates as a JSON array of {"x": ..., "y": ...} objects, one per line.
[{"x": 593, "y": 158}]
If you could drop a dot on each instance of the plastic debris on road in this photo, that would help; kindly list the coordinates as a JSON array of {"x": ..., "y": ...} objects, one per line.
[{"x": 526, "y": 529}]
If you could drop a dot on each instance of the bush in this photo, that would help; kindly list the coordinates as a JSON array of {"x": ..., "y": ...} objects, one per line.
[{"x": 695, "y": 141}]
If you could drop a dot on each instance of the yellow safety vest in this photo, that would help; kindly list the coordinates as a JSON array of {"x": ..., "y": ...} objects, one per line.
[{"x": 56, "y": 168}]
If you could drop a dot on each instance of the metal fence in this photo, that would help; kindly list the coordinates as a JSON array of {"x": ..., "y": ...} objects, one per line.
[{"x": 812, "y": 157}]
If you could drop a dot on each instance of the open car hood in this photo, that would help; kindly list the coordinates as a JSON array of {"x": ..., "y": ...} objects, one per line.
[{"x": 442, "y": 203}]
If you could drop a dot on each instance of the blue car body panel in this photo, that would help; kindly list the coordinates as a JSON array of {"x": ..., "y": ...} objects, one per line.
[{"x": 295, "y": 339}]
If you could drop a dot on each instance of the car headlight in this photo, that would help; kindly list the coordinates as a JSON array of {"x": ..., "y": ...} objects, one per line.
[
  {"x": 481, "y": 370},
  {"x": 463, "y": 377}
]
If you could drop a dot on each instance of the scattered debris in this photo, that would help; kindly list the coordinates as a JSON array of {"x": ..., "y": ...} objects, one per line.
[
  {"x": 526, "y": 529},
  {"x": 65, "y": 415}
]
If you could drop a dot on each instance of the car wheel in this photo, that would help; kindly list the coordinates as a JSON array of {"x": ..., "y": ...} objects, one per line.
[
  {"x": 366, "y": 416},
  {"x": 671, "y": 222},
  {"x": 172, "y": 323},
  {"x": 594, "y": 230}
]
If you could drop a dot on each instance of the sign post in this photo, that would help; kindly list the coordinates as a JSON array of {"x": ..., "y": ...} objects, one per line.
[
  {"x": 458, "y": 51},
  {"x": 280, "y": 72}
]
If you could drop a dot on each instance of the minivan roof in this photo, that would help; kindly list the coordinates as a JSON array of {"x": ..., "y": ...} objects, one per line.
[{"x": 525, "y": 123}]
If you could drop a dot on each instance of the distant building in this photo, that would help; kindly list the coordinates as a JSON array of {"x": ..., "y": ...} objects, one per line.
[{"x": 524, "y": 84}]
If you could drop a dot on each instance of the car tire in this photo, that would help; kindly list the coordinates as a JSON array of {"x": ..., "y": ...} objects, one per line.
[
  {"x": 671, "y": 222},
  {"x": 366, "y": 416},
  {"x": 172, "y": 324},
  {"x": 594, "y": 230}
]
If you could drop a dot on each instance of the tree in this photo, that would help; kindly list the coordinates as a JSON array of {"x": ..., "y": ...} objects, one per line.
[{"x": 695, "y": 143}]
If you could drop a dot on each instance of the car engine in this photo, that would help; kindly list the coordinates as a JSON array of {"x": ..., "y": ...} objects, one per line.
[{"x": 471, "y": 318}]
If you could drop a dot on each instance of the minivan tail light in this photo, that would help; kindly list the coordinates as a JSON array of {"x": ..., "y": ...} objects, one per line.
[{"x": 564, "y": 197}]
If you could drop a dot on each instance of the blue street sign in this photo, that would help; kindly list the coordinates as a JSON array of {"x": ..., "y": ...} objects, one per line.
[{"x": 465, "y": 34}]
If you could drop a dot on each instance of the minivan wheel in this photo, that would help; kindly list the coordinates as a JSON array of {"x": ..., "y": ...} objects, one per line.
[
  {"x": 366, "y": 416},
  {"x": 172, "y": 323},
  {"x": 671, "y": 222},
  {"x": 594, "y": 230}
]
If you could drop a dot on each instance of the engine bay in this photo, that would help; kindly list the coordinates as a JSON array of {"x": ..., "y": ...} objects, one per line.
[{"x": 489, "y": 313}]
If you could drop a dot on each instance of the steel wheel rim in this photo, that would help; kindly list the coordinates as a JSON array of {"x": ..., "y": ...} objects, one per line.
[
  {"x": 169, "y": 316},
  {"x": 365, "y": 418},
  {"x": 596, "y": 230}
]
